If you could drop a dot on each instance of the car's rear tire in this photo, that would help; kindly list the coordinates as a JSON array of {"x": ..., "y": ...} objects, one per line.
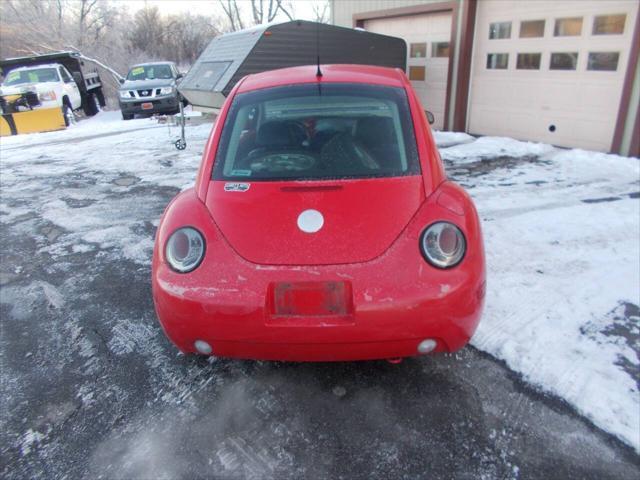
[
  {"x": 92, "y": 105},
  {"x": 127, "y": 116},
  {"x": 100, "y": 96}
]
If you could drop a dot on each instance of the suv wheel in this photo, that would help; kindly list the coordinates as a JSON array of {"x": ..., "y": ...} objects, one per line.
[
  {"x": 67, "y": 113},
  {"x": 92, "y": 105}
]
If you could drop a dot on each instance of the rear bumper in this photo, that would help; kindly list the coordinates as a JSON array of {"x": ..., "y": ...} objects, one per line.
[
  {"x": 318, "y": 352},
  {"x": 390, "y": 315},
  {"x": 398, "y": 299}
]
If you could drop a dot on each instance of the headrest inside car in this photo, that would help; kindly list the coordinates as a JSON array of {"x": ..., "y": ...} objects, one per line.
[
  {"x": 275, "y": 134},
  {"x": 375, "y": 130}
]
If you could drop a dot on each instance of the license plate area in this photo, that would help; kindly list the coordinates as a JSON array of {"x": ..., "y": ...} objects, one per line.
[
  {"x": 147, "y": 106},
  {"x": 311, "y": 299}
]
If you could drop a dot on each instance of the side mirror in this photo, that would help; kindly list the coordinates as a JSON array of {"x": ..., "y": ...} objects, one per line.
[
  {"x": 121, "y": 80},
  {"x": 430, "y": 117},
  {"x": 179, "y": 76}
]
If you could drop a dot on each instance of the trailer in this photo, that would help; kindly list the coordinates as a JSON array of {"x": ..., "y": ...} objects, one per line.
[
  {"x": 232, "y": 56},
  {"x": 70, "y": 86}
]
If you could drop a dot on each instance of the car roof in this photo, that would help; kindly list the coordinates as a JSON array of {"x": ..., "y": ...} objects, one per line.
[
  {"x": 146, "y": 64},
  {"x": 33, "y": 67},
  {"x": 368, "y": 74}
]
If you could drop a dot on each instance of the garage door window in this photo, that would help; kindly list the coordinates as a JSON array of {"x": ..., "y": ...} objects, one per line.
[
  {"x": 416, "y": 73},
  {"x": 497, "y": 61},
  {"x": 608, "y": 24},
  {"x": 528, "y": 61},
  {"x": 532, "y": 29},
  {"x": 440, "y": 49},
  {"x": 564, "y": 61},
  {"x": 418, "y": 50},
  {"x": 603, "y": 61},
  {"x": 568, "y": 27},
  {"x": 500, "y": 30}
]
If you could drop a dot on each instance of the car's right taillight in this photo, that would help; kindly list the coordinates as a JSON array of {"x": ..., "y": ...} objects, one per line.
[{"x": 443, "y": 245}]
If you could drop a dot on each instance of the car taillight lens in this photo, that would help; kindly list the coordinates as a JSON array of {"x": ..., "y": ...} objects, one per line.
[
  {"x": 443, "y": 245},
  {"x": 185, "y": 249}
]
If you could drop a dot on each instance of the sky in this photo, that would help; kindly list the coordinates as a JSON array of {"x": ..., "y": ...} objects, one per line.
[{"x": 303, "y": 8}]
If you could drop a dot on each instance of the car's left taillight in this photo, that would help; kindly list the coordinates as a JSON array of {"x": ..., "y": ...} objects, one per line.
[{"x": 185, "y": 249}]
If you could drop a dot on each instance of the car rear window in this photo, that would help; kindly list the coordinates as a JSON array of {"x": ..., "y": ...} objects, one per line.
[{"x": 318, "y": 131}]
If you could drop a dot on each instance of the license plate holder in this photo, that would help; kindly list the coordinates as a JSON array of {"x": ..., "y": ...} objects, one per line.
[
  {"x": 312, "y": 299},
  {"x": 147, "y": 106}
]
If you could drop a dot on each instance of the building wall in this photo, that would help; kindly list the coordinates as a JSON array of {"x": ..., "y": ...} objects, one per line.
[
  {"x": 468, "y": 22},
  {"x": 573, "y": 107},
  {"x": 343, "y": 13},
  {"x": 427, "y": 37},
  {"x": 630, "y": 144}
]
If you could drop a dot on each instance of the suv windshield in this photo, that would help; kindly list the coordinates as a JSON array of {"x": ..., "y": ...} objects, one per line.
[
  {"x": 150, "y": 72},
  {"x": 314, "y": 131},
  {"x": 37, "y": 75}
]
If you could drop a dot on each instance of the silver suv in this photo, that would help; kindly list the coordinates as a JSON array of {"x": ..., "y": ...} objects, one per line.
[{"x": 150, "y": 88}]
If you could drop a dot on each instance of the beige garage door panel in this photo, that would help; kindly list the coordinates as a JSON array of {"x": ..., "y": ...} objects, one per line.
[
  {"x": 519, "y": 125},
  {"x": 581, "y": 104},
  {"x": 579, "y": 97},
  {"x": 423, "y": 29}
]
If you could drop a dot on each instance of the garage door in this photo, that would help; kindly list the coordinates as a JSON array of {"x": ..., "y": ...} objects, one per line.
[
  {"x": 427, "y": 38},
  {"x": 550, "y": 71}
]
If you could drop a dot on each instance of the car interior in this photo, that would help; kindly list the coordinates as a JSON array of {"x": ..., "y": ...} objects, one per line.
[
  {"x": 32, "y": 76},
  {"x": 321, "y": 146},
  {"x": 150, "y": 72}
]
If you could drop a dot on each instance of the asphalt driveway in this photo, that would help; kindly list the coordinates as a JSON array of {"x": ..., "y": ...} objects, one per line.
[{"x": 91, "y": 388}]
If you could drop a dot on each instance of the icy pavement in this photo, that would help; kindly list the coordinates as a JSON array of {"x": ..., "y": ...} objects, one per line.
[{"x": 91, "y": 387}]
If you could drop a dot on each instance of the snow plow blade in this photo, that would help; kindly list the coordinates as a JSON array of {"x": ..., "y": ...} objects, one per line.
[{"x": 32, "y": 121}]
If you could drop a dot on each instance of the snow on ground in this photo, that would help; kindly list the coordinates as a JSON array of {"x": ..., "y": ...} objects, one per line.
[
  {"x": 448, "y": 139},
  {"x": 492, "y": 147},
  {"x": 563, "y": 258},
  {"x": 105, "y": 122},
  {"x": 561, "y": 233},
  {"x": 83, "y": 220}
]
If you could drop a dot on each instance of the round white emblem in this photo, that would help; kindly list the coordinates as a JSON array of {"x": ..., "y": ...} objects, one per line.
[{"x": 310, "y": 221}]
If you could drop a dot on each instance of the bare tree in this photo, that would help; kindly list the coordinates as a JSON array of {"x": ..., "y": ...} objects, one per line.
[
  {"x": 262, "y": 11},
  {"x": 24, "y": 25},
  {"x": 274, "y": 6},
  {"x": 230, "y": 8},
  {"x": 104, "y": 33},
  {"x": 185, "y": 36},
  {"x": 180, "y": 37},
  {"x": 146, "y": 31},
  {"x": 286, "y": 10},
  {"x": 321, "y": 12},
  {"x": 85, "y": 7}
]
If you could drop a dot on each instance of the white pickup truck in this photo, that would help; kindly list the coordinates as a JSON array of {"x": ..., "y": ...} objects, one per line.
[
  {"x": 53, "y": 84},
  {"x": 52, "y": 80}
]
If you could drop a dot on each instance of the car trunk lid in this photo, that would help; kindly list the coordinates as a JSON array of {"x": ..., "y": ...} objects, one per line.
[{"x": 314, "y": 222}]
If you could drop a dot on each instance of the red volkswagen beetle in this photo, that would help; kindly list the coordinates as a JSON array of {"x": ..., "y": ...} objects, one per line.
[{"x": 321, "y": 227}]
